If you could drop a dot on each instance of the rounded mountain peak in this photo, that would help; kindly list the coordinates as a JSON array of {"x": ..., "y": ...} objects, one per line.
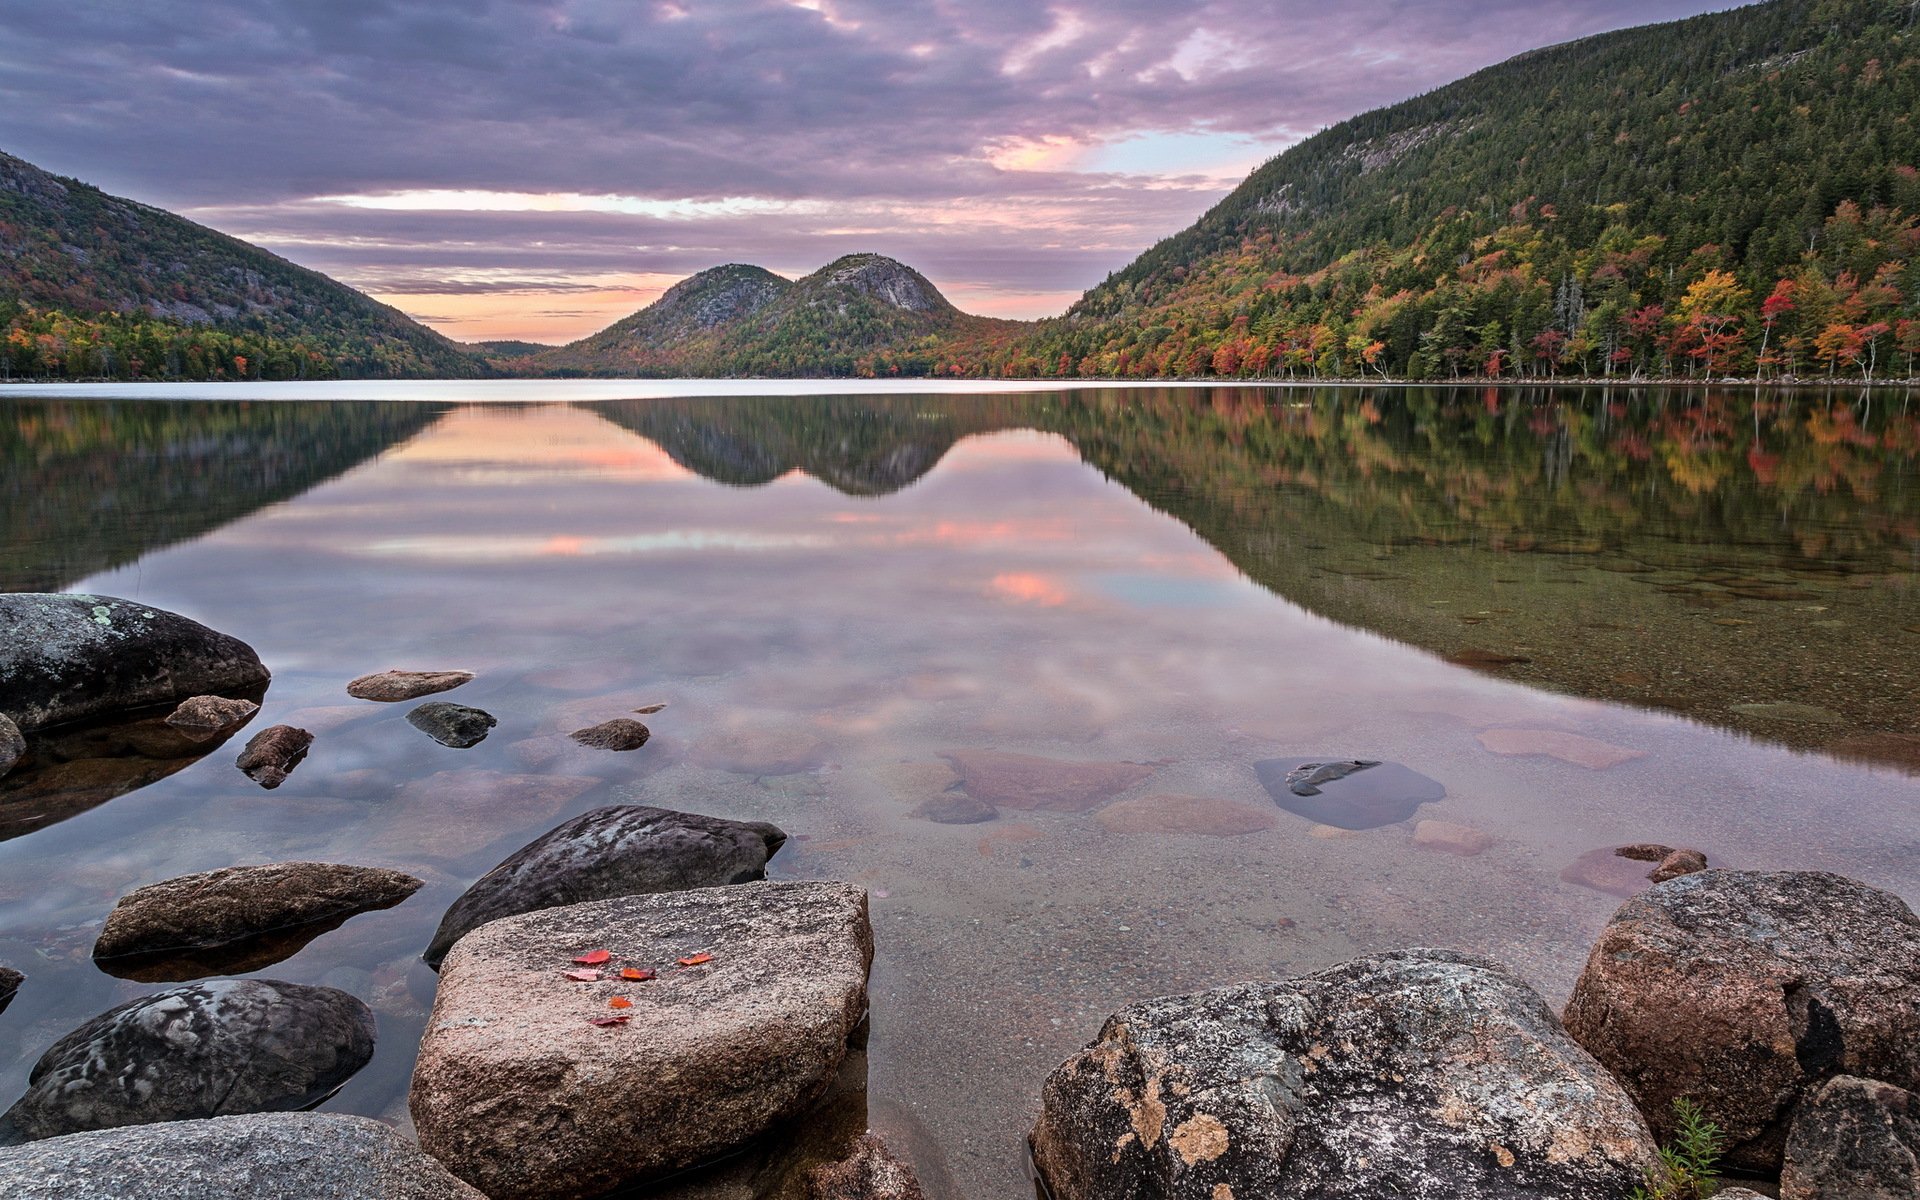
[
  {"x": 883, "y": 279},
  {"x": 718, "y": 295}
]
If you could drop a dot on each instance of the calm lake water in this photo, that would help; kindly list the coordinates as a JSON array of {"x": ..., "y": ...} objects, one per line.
[{"x": 1594, "y": 616}]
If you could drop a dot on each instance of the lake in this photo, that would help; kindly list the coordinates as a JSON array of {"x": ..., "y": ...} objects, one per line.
[{"x": 1593, "y": 616}]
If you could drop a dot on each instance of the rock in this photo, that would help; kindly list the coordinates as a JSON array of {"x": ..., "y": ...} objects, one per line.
[
  {"x": 623, "y": 850},
  {"x": 622, "y": 733},
  {"x": 1611, "y": 869},
  {"x": 1739, "y": 1193},
  {"x": 870, "y": 1173},
  {"x": 1185, "y": 814},
  {"x": 265, "y": 1156},
  {"x": 1854, "y": 1139},
  {"x": 1572, "y": 748},
  {"x": 1446, "y": 836},
  {"x": 956, "y": 808},
  {"x": 12, "y": 744},
  {"x": 204, "y": 718},
  {"x": 761, "y": 752},
  {"x": 222, "y": 910},
  {"x": 70, "y": 657},
  {"x": 10, "y": 981},
  {"x": 392, "y": 686},
  {"x": 453, "y": 725},
  {"x": 450, "y": 814},
  {"x": 201, "y": 1050},
  {"x": 1422, "y": 1073},
  {"x": 1381, "y": 793},
  {"x": 1742, "y": 990},
  {"x": 272, "y": 754},
  {"x": 1676, "y": 864},
  {"x": 520, "y": 1094},
  {"x": 1025, "y": 782}
]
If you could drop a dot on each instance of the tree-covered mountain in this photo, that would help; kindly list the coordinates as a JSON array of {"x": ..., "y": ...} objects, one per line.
[
  {"x": 95, "y": 286},
  {"x": 864, "y": 314},
  {"x": 1734, "y": 193}
]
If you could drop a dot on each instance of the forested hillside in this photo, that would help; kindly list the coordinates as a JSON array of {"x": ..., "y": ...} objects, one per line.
[
  {"x": 94, "y": 286},
  {"x": 1736, "y": 193}
]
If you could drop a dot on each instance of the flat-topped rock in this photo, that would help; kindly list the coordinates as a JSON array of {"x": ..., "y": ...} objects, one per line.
[
  {"x": 264, "y": 1156},
  {"x": 521, "y": 1093},
  {"x": 621, "y": 850},
  {"x": 1422, "y": 1074},
  {"x": 393, "y": 686},
  {"x": 203, "y": 718},
  {"x": 211, "y": 1049},
  {"x": 73, "y": 657},
  {"x": 453, "y": 725},
  {"x": 1744, "y": 991},
  {"x": 222, "y": 910}
]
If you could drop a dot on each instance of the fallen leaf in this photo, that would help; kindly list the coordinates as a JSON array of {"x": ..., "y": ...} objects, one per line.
[
  {"x": 695, "y": 960},
  {"x": 582, "y": 975},
  {"x": 641, "y": 974},
  {"x": 622, "y": 1019},
  {"x": 593, "y": 958},
  {"x": 619, "y": 1002}
]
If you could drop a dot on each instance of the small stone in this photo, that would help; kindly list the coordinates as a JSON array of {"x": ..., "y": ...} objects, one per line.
[
  {"x": 204, "y": 718},
  {"x": 1572, "y": 748},
  {"x": 1680, "y": 862},
  {"x": 622, "y": 733},
  {"x": 956, "y": 808},
  {"x": 273, "y": 753},
  {"x": 1203, "y": 815},
  {"x": 1854, "y": 1139},
  {"x": 1651, "y": 852},
  {"x": 1463, "y": 840},
  {"x": 391, "y": 686},
  {"x": 12, "y": 744},
  {"x": 452, "y": 725}
]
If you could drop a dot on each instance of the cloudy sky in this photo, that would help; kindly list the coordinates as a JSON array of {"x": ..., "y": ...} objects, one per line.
[{"x": 511, "y": 168}]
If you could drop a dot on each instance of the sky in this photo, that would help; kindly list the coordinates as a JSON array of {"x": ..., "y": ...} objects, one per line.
[{"x": 523, "y": 169}]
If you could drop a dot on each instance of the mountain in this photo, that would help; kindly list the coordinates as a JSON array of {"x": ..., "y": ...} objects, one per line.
[
  {"x": 864, "y": 314},
  {"x": 1735, "y": 192},
  {"x": 94, "y": 285}
]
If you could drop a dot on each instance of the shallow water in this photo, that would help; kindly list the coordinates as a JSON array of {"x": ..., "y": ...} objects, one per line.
[{"x": 1686, "y": 617}]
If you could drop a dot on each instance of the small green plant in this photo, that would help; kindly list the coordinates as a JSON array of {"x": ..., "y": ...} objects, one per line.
[{"x": 1686, "y": 1170}]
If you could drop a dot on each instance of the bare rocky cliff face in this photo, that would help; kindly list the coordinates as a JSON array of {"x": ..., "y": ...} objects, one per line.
[{"x": 881, "y": 278}]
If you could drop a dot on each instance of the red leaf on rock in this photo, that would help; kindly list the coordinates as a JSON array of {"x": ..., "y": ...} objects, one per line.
[
  {"x": 593, "y": 958},
  {"x": 581, "y": 975},
  {"x": 619, "y": 1002},
  {"x": 694, "y": 960},
  {"x": 640, "y": 974},
  {"x": 622, "y": 1019}
]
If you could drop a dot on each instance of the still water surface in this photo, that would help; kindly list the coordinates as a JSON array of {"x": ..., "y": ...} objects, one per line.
[{"x": 831, "y": 593}]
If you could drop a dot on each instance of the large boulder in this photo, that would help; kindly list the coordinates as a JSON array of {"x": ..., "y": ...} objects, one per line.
[
  {"x": 70, "y": 657},
  {"x": 203, "y": 1050},
  {"x": 1857, "y": 1139},
  {"x": 1422, "y": 1074},
  {"x": 269, "y": 1156},
  {"x": 209, "y": 916},
  {"x": 622, "y": 850},
  {"x": 1745, "y": 990},
  {"x": 530, "y": 1084},
  {"x": 12, "y": 744}
]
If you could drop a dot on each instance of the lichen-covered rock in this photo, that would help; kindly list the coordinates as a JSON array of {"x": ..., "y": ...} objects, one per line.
[
  {"x": 203, "y": 718},
  {"x": 202, "y": 1050},
  {"x": 621, "y": 733},
  {"x": 1744, "y": 990},
  {"x": 264, "y": 1156},
  {"x": 70, "y": 657},
  {"x": 1854, "y": 1139},
  {"x": 272, "y": 754},
  {"x": 521, "y": 1094},
  {"x": 10, "y": 981},
  {"x": 453, "y": 725},
  {"x": 1422, "y": 1074},
  {"x": 219, "y": 909},
  {"x": 392, "y": 686},
  {"x": 622, "y": 850},
  {"x": 12, "y": 744}
]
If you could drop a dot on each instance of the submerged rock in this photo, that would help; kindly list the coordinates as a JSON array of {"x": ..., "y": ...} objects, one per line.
[
  {"x": 1855, "y": 1139},
  {"x": 272, "y": 754},
  {"x": 1422, "y": 1073},
  {"x": 622, "y": 850},
  {"x": 1446, "y": 836},
  {"x": 392, "y": 686},
  {"x": 1366, "y": 797},
  {"x": 453, "y": 725},
  {"x": 72, "y": 657},
  {"x": 12, "y": 744},
  {"x": 265, "y": 1156},
  {"x": 621, "y": 733},
  {"x": 1023, "y": 781},
  {"x": 956, "y": 807},
  {"x": 520, "y": 1093},
  {"x": 1203, "y": 815},
  {"x": 761, "y": 752},
  {"x": 1744, "y": 991},
  {"x": 1591, "y": 753},
  {"x": 202, "y": 1050},
  {"x": 204, "y": 920},
  {"x": 450, "y": 814},
  {"x": 204, "y": 718}
]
